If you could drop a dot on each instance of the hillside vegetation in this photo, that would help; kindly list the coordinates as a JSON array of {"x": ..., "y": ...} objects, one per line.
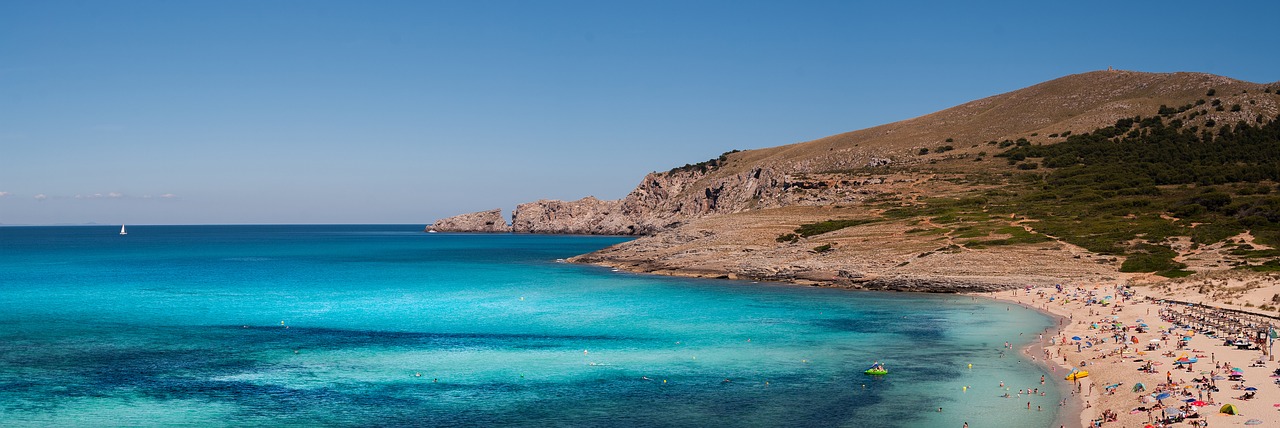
[{"x": 1128, "y": 189}]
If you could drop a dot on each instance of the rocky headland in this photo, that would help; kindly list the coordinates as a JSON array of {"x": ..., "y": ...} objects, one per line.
[{"x": 490, "y": 221}]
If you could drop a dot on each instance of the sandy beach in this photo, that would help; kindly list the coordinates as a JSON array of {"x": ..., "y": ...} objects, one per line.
[{"x": 1129, "y": 340}]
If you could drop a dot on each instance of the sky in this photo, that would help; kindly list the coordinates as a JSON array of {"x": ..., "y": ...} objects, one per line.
[{"x": 228, "y": 112}]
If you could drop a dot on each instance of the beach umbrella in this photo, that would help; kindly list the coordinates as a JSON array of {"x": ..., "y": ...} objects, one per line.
[
  {"x": 1075, "y": 337},
  {"x": 1251, "y": 389},
  {"x": 1112, "y": 386},
  {"x": 1189, "y": 400},
  {"x": 1163, "y": 395},
  {"x": 1199, "y": 403},
  {"x": 1253, "y": 422},
  {"x": 1237, "y": 370},
  {"x": 1139, "y": 319},
  {"x": 1218, "y": 378}
]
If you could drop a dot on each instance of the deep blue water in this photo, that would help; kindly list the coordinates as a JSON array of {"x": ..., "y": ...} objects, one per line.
[{"x": 385, "y": 325}]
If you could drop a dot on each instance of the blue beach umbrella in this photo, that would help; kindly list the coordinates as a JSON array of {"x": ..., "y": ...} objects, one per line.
[
  {"x": 1075, "y": 337},
  {"x": 1189, "y": 400},
  {"x": 1251, "y": 389},
  {"x": 1163, "y": 395}
]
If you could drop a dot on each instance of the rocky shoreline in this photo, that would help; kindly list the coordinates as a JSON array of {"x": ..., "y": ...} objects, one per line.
[{"x": 835, "y": 279}]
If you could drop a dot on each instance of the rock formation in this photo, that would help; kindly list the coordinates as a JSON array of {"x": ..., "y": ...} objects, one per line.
[
  {"x": 485, "y": 221},
  {"x": 586, "y": 216},
  {"x": 666, "y": 199}
]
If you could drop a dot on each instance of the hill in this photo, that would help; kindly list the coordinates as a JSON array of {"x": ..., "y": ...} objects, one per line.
[{"x": 1087, "y": 177}]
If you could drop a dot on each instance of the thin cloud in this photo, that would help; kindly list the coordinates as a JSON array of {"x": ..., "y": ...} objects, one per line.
[
  {"x": 108, "y": 195},
  {"x": 41, "y": 197},
  {"x": 3, "y": 194}
]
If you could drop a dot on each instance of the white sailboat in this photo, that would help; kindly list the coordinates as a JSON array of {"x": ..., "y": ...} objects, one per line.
[{"x": 122, "y": 232}]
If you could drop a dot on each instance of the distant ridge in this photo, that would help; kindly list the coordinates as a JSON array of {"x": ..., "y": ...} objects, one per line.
[{"x": 1077, "y": 103}]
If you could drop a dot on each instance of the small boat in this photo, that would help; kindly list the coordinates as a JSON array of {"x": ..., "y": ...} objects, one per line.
[{"x": 122, "y": 231}]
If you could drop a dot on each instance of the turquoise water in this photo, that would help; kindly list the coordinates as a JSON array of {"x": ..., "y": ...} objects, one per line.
[{"x": 385, "y": 326}]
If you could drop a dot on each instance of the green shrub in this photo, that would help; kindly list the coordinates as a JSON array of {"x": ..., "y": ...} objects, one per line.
[
  {"x": 1151, "y": 258},
  {"x": 812, "y": 229},
  {"x": 1175, "y": 273}
]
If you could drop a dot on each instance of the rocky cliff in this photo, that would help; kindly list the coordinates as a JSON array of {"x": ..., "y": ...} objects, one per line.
[
  {"x": 666, "y": 199},
  {"x": 485, "y": 221},
  {"x": 586, "y": 216}
]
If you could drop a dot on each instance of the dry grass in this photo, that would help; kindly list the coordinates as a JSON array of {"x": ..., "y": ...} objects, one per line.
[{"x": 1076, "y": 103}]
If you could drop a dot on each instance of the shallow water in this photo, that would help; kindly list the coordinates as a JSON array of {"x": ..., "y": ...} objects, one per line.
[{"x": 385, "y": 325}]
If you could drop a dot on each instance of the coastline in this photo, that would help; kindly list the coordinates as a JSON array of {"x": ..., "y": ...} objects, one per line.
[
  {"x": 1071, "y": 415},
  {"x": 1081, "y": 313},
  {"x": 1087, "y": 341}
]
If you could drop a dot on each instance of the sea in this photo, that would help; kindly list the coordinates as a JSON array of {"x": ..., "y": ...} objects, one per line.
[{"x": 384, "y": 325}]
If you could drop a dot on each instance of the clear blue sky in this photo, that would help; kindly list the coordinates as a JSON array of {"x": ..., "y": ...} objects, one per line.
[{"x": 402, "y": 112}]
